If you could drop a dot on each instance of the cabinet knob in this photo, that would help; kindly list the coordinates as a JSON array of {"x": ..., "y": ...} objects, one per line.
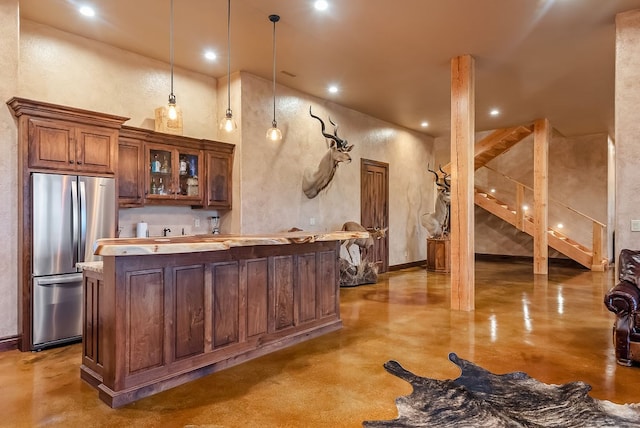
[
  {"x": 70, "y": 161},
  {"x": 79, "y": 162}
]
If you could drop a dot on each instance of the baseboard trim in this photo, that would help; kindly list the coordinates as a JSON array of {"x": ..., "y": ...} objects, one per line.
[
  {"x": 527, "y": 259},
  {"x": 9, "y": 343},
  {"x": 419, "y": 263},
  {"x": 496, "y": 258}
]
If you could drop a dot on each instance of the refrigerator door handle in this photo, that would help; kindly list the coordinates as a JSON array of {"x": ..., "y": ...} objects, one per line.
[
  {"x": 58, "y": 280},
  {"x": 74, "y": 219},
  {"x": 83, "y": 219}
]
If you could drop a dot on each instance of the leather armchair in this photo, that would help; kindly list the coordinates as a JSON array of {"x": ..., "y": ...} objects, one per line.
[{"x": 624, "y": 301}]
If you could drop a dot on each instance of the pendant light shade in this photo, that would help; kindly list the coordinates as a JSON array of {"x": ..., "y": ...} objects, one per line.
[
  {"x": 227, "y": 123},
  {"x": 172, "y": 112},
  {"x": 273, "y": 133}
]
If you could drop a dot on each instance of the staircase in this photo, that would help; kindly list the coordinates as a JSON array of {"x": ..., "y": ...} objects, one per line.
[
  {"x": 496, "y": 143},
  {"x": 524, "y": 223},
  {"x": 499, "y": 142}
]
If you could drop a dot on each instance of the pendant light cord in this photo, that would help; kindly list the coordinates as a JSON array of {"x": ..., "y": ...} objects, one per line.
[
  {"x": 228, "y": 56},
  {"x": 171, "y": 45},
  {"x": 274, "y": 72}
]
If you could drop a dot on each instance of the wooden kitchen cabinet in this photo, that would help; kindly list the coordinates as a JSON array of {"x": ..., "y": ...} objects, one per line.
[
  {"x": 153, "y": 322},
  {"x": 54, "y": 139},
  {"x": 131, "y": 169},
  {"x": 173, "y": 174},
  {"x": 218, "y": 179},
  {"x": 163, "y": 169},
  {"x": 65, "y": 146}
]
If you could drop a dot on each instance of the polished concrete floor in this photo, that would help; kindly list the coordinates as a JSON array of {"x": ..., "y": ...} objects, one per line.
[{"x": 554, "y": 327}]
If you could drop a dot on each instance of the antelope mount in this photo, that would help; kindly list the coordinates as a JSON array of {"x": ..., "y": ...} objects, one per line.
[{"x": 314, "y": 181}]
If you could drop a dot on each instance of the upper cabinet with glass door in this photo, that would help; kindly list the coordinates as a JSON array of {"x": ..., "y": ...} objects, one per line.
[{"x": 173, "y": 175}]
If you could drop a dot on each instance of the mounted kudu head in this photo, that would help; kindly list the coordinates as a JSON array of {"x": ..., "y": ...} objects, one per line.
[
  {"x": 339, "y": 144},
  {"x": 314, "y": 182},
  {"x": 437, "y": 222},
  {"x": 443, "y": 183}
]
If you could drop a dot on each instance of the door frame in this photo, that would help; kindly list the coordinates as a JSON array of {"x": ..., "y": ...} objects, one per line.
[{"x": 364, "y": 164}]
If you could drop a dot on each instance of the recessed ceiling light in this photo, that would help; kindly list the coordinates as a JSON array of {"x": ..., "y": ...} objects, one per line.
[
  {"x": 333, "y": 89},
  {"x": 424, "y": 124},
  {"x": 321, "y": 5},
  {"x": 210, "y": 55},
  {"x": 87, "y": 11},
  {"x": 494, "y": 112}
]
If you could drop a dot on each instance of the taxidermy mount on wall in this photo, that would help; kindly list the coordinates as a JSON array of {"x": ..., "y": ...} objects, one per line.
[
  {"x": 437, "y": 222},
  {"x": 314, "y": 181}
]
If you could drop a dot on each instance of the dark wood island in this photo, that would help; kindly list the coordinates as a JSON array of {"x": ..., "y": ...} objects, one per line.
[{"x": 165, "y": 311}]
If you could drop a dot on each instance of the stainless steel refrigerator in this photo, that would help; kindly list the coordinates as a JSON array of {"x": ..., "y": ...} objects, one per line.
[{"x": 69, "y": 214}]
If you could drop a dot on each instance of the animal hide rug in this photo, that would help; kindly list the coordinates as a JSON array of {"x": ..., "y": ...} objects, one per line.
[{"x": 479, "y": 398}]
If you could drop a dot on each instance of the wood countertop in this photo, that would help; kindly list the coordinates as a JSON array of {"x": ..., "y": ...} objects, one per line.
[{"x": 201, "y": 243}]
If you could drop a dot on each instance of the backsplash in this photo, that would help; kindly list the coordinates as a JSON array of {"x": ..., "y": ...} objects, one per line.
[{"x": 177, "y": 219}]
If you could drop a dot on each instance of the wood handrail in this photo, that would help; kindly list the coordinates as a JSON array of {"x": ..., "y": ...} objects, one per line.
[{"x": 552, "y": 199}]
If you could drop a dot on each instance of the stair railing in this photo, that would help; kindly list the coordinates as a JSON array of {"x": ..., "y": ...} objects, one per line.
[{"x": 563, "y": 219}]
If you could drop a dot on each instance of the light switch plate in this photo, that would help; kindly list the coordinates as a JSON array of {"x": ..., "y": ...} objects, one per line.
[{"x": 635, "y": 225}]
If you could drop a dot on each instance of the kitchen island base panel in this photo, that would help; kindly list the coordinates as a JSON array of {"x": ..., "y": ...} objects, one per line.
[
  {"x": 153, "y": 322},
  {"x": 118, "y": 399}
]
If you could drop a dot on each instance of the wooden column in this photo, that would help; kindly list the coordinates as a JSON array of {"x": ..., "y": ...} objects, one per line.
[
  {"x": 541, "y": 139},
  {"x": 462, "y": 160}
]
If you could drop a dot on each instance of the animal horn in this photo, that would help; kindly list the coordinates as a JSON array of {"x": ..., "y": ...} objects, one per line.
[
  {"x": 326, "y": 135},
  {"x": 335, "y": 127},
  {"x": 446, "y": 176},
  {"x": 437, "y": 178}
]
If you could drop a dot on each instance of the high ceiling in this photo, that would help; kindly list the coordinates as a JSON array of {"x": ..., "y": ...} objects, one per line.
[{"x": 391, "y": 59}]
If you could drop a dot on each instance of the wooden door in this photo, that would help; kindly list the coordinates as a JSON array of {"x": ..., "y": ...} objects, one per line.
[{"x": 374, "y": 207}]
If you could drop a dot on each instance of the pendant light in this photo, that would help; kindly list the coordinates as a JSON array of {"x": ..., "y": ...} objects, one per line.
[
  {"x": 228, "y": 123},
  {"x": 273, "y": 133},
  {"x": 172, "y": 112}
]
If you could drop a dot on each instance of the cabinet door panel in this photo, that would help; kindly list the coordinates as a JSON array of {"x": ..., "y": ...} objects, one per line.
[
  {"x": 226, "y": 304},
  {"x": 130, "y": 173},
  {"x": 306, "y": 280},
  {"x": 189, "y": 310},
  {"x": 159, "y": 164},
  {"x": 51, "y": 145},
  {"x": 145, "y": 313},
  {"x": 282, "y": 286},
  {"x": 219, "y": 180},
  {"x": 95, "y": 150},
  {"x": 188, "y": 186},
  {"x": 257, "y": 297},
  {"x": 327, "y": 276}
]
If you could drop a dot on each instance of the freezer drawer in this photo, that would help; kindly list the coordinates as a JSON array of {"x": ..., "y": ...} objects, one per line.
[{"x": 57, "y": 309}]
